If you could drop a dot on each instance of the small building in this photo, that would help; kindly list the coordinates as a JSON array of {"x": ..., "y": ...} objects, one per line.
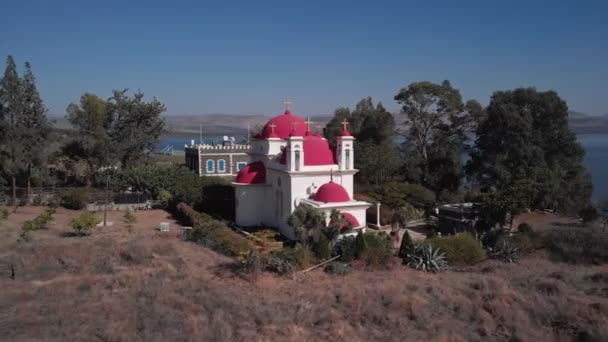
[
  {"x": 217, "y": 159},
  {"x": 457, "y": 217}
]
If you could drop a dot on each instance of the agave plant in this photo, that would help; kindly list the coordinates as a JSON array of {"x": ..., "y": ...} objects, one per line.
[
  {"x": 426, "y": 258},
  {"x": 505, "y": 250}
]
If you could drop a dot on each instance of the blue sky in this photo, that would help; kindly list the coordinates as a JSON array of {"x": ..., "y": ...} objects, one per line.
[{"x": 245, "y": 57}]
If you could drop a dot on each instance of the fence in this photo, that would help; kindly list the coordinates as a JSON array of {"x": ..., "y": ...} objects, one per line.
[{"x": 44, "y": 195}]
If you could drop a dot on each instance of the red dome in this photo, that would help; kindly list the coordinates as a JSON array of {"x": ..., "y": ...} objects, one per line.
[
  {"x": 316, "y": 152},
  {"x": 351, "y": 219},
  {"x": 284, "y": 125},
  {"x": 252, "y": 173},
  {"x": 331, "y": 192}
]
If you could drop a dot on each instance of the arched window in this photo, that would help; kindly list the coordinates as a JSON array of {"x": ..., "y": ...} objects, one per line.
[
  {"x": 210, "y": 166},
  {"x": 221, "y": 165},
  {"x": 240, "y": 165},
  {"x": 347, "y": 166}
]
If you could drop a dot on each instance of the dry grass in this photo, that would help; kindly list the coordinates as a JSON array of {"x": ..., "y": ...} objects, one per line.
[{"x": 150, "y": 286}]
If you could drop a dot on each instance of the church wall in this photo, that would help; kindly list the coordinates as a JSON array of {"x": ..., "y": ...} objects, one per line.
[{"x": 249, "y": 205}]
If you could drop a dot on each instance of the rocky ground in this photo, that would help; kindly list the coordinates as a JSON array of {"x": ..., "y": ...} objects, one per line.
[{"x": 139, "y": 284}]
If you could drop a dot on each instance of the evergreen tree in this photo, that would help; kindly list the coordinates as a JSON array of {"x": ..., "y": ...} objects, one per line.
[
  {"x": 360, "y": 245},
  {"x": 35, "y": 128},
  {"x": 10, "y": 97},
  {"x": 407, "y": 245},
  {"x": 525, "y": 155},
  {"x": 322, "y": 249}
]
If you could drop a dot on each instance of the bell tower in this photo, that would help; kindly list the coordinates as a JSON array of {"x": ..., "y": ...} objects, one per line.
[{"x": 344, "y": 150}]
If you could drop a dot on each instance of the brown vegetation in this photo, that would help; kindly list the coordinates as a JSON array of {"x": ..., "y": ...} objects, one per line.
[{"x": 146, "y": 285}]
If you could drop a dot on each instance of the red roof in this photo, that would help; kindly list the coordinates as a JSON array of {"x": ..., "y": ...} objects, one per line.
[
  {"x": 252, "y": 173},
  {"x": 345, "y": 133},
  {"x": 316, "y": 152},
  {"x": 350, "y": 218},
  {"x": 284, "y": 125},
  {"x": 331, "y": 192}
]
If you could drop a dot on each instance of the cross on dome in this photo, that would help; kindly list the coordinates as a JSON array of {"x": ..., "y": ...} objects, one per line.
[
  {"x": 287, "y": 102},
  {"x": 344, "y": 124},
  {"x": 294, "y": 125},
  {"x": 272, "y": 127},
  {"x": 308, "y": 123}
]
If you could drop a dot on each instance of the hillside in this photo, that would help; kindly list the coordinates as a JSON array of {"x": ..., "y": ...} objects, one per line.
[{"x": 142, "y": 285}]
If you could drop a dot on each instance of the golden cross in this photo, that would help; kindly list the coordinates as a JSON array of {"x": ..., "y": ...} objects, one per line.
[
  {"x": 308, "y": 122},
  {"x": 272, "y": 126},
  {"x": 287, "y": 102},
  {"x": 294, "y": 124},
  {"x": 344, "y": 124}
]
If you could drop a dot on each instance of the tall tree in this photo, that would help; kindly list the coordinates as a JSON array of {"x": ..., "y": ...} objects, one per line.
[
  {"x": 137, "y": 126},
  {"x": 92, "y": 118},
  {"x": 374, "y": 129},
  {"x": 10, "y": 97},
  {"x": 526, "y": 155},
  {"x": 437, "y": 126},
  {"x": 35, "y": 128}
]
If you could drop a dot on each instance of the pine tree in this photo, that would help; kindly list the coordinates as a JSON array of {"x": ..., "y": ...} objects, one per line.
[
  {"x": 360, "y": 245},
  {"x": 10, "y": 98},
  {"x": 34, "y": 127},
  {"x": 322, "y": 249},
  {"x": 406, "y": 245}
]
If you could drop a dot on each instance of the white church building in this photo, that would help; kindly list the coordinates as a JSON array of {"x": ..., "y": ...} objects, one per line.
[{"x": 291, "y": 166}]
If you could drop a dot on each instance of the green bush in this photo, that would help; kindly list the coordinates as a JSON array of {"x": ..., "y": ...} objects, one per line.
[
  {"x": 525, "y": 228},
  {"x": 164, "y": 197},
  {"x": 76, "y": 199},
  {"x": 338, "y": 268},
  {"x": 252, "y": 263},
  {"x": 129, "y": 218},
  {"x": 322, "y": 249},
  {"x": 460, "y": 249},
  {"x": 280, "y": 265},
  {"x": 379, "y": 249},
  {"x": 218, "y": 237},
  {"x": 577, "y": 245},
  {"x": 407, "y": 245},
  {"x": 4, "y": 213},
  {"x": 346, "y": 249},
  {"x": 360, "y": 245},
  {"x": 83, "y": 224}
]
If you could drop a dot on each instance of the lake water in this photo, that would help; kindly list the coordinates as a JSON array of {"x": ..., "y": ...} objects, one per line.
[{"x": 596, "y": 157}]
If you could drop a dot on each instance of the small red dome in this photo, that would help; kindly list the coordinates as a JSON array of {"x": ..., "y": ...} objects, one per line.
[
  {"x": 345, "y": 133},
  {"x": 283, "y": 126},
  {"x": 331, "y": 192},
  {"x": 351, "y": 219},
  {"x": 252, "y": 173},
  {"x": 316, "y": 152}
]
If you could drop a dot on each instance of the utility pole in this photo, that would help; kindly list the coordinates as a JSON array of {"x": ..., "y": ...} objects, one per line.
[{"x": 105, "y": 202}]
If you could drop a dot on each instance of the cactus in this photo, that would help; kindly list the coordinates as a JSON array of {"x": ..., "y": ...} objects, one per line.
[{"x": 426, "y": 258}]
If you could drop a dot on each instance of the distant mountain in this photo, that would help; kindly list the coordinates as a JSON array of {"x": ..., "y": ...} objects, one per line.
[{"x": 582, "y": 123}]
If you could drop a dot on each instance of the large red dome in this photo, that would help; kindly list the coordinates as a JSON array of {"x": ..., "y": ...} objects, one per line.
[
  {"x": 252, "y": 173},
  {"x": 316, "y": 152},
  {"x": 284, "y": 124},
  {"x": 331, "y": 192}
]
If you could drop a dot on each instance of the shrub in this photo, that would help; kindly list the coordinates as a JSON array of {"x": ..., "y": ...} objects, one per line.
[
  {"x": 252, "y": 263},
  {"x": 279, "y": 264},
  {"x": 164, "y": 197},
  {"x": 460, "y": 248},
  {"x": 426, "y": 258},
  {"x": 338, "y": 268},
  {"x": 406, "y": 246},
  {"x": 83, "y": 224},
  {"x": 129, "y": 218},
  {"x": 378, "y": 250},
  {"x": 577, "y": 245},
  {"x": 4, "y": 213},
  {"x": 360, "y": 245},
  {"x": 505, "y": 250},
  {"x": 322, "y": 249},
  {"x": 525, "y": 228},
  {"x": 76, "y": 199},
  {"x": 346, "y": 249},
  {"x": 218, "y": 237},
  {"x": 491, "y": 237}
]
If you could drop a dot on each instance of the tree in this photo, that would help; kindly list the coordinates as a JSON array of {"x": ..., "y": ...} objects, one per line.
[
  {"x": 526, "y": 156},
  {"x": 407, "y": 245},
  {"x": 25, "y": 127},
  {"x": 438, "y": 123},
  {"x": 10, "y": 97},
  {"x": 137, "y": 126},
  {"x": 306, "y": 221},
  {"x": 92, "y": 118}
]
